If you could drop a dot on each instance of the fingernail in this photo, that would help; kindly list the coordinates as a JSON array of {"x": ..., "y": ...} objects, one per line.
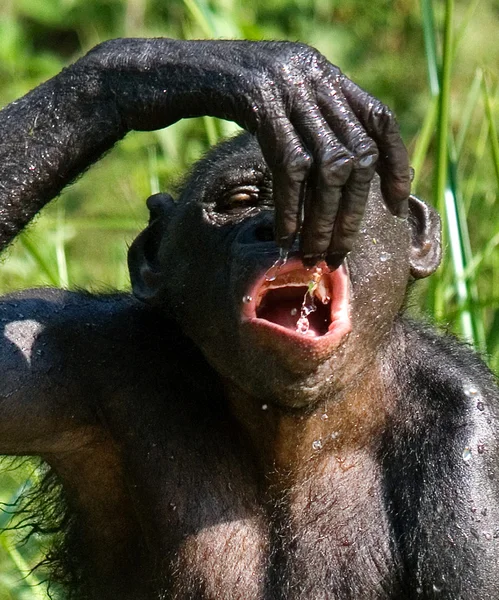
[
  {"x": 403, "y": 210},
  {"x": 367, "y": 161}
]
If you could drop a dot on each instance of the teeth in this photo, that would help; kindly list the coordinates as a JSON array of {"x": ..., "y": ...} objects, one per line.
[
  {"x": 297, "y": 279},
  {"x": 289, "y": 280},
  {"x": 321, "y": 291}
]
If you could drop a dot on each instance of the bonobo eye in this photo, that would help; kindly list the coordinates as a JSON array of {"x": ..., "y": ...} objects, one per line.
[{"x": 239, "y": 199}]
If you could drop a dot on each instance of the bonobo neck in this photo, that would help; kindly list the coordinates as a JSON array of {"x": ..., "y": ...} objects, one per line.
[{"x": 286, "y": 441}]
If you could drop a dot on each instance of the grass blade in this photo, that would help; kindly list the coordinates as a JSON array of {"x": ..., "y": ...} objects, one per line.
[{"x": 489, "y": 114}]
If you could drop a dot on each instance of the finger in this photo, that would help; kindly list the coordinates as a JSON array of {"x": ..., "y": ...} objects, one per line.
[
  {"x": 393, "y": 164},
  {"x": 290, "y": 164},
  {"x": 337, "y": 173},
  {"x": 348, "y": 221},
  {"x": 331, "y": 170},
  {"x": 356, "y": 190}
]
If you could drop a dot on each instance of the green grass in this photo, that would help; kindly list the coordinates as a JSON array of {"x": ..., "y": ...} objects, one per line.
[{"x": 433, "y": 64}]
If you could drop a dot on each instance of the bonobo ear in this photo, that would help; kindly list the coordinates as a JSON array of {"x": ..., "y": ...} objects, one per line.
[
  {"x": 426, "y": 249},
  {"x": 145, "y": 271}
]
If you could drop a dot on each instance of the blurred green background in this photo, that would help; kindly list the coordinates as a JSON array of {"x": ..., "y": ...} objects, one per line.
[{"x": 434, "y": 63}]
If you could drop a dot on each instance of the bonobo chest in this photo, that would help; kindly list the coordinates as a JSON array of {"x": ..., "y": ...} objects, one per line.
[
  {"x": 221, "y": 530},
  {"x": 313, "y": 541}
]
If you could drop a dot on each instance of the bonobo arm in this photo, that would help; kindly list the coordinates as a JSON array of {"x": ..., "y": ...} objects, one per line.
[
  {"x": 321, "y": 135},
  {"x": 44, "y": 407},
  {"x": 64, "y": 355}
]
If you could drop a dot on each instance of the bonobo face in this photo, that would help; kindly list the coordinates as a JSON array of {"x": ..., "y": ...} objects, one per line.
[{"x": 207, "y": 261}]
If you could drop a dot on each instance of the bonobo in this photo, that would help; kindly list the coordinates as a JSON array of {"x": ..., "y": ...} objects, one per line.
[{"x": 259, "y": 421}]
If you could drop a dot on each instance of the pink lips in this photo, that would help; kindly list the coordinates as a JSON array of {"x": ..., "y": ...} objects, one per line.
[{"x": 272, "y": 308}]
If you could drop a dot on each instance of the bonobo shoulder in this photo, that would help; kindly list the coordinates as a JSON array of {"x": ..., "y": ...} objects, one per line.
[
  {"x": 449, "y": 368},
  {"x": 106, "y": 329}
]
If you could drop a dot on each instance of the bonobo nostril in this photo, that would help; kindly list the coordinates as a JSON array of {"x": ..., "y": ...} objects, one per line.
[{"x": 264, "y": 232}]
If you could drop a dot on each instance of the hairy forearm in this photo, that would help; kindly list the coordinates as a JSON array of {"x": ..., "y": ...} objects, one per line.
[
  {"x": 54, "y": 133},
  {"x": 47, "y": 138}
]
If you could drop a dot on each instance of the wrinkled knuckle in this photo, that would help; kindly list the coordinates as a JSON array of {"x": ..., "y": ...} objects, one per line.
[
  {"x": 297, "y": 164},
  {"x": 292, "y": 53},
  {"x": 351, "y": 223},
  {"x": 387, "y": 113},
  {"x": 322, "y": 235},
  {"x": 305, "y": 59},
  {"x": 384, "y": 118}
]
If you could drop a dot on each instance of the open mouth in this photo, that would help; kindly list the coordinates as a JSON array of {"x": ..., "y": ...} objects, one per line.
[{"x": 308, "y": 306}]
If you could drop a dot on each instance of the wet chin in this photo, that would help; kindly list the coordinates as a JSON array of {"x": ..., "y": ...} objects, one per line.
[{"x": 265, "y": 376}]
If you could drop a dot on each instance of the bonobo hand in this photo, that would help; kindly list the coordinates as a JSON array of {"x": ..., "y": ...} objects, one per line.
[{"x": 321, "y": 135}]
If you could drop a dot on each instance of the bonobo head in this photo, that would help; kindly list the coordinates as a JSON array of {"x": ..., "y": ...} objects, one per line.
[{"x": 204, "y": 261}]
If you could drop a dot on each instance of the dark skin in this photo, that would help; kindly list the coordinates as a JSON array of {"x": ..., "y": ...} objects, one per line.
[{"x": 210, "y": 451}]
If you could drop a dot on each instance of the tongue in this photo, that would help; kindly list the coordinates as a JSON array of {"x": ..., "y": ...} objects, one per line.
[{"x": 285, "y": 313}]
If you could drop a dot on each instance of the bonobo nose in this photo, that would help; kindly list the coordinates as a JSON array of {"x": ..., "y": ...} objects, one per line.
[
  {"x": 259, "y": 229},
  {"x": 264, "y": 232}
]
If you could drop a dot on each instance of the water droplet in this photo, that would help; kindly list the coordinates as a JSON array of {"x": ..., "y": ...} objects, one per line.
[
  {"x": 265, "y": 406},
  {"x": 271, "y": 274},
  {"x": 487, "y": 535},
  {"x": 317, "y": 444},
  {"x": 294, "y": 311},
  {"x": 471, "y": 390},
  {"x": 308, "y": 305},
  {"x": 384, "y": 256},
  {"x": 324, "y": 417},
  {"x": 419, "y": 590},
  {"x": 247, "y": 299},
  {"x": 273, "y": 271},
  {"x": 302, "y": 325},
  {"x": 467, "y": 454}
]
